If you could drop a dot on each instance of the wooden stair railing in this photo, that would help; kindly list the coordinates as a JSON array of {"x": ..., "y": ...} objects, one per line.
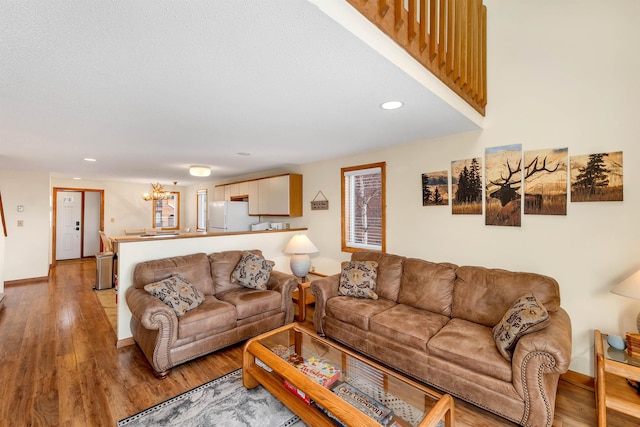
[{"x": 448, "y": 37}]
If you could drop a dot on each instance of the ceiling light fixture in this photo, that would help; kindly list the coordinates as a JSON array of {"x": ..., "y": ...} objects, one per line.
[
  {"x": 197, "y": 170},
  {"x": 157, "y": 193},
  {"x": 88, "y": 159},
  {"x": 391, "y": 105}
]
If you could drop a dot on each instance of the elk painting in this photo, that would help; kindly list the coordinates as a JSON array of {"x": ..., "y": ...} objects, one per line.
[
  {"x": 466, "y": 187},
  {"x": 503, "y": 183},
  {"x": 597, "y": 178},
  {"x": 435, "y": 188},
  {"x": 545, "y": 182}
]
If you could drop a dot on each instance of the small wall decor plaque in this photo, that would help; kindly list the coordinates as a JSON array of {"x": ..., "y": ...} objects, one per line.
[{"x": 319, "y": 205}]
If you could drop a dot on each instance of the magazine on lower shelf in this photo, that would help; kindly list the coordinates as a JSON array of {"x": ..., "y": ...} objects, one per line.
[{"x": 361, "y": 401}]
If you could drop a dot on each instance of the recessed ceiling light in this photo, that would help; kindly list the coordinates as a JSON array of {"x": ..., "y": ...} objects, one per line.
[
  {"x": 88, "y": 159},
  {"x": 391, "y": 105},
  {"x": 243, "y": 154},
  {"x": 77, "y": 178}
]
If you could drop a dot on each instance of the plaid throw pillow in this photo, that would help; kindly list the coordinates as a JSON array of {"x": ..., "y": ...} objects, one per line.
[{"x": 176, "y": 293}]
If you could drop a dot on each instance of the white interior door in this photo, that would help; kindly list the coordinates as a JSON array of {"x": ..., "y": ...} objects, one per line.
[{"x": 68, "y": 225}]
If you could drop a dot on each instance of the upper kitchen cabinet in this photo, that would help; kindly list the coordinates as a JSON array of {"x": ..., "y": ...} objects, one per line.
[
  {"x": 279, "y": 195},
  {"x": 271, "y": 196}
]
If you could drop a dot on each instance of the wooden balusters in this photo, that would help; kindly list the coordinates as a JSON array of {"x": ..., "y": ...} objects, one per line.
[{"x": 448, "y": 37}]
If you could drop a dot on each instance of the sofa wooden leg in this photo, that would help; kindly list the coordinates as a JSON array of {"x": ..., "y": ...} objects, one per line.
[{"x": 162, "y": 375}]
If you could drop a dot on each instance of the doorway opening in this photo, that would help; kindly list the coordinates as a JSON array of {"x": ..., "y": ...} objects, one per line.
[{"x": 78, "y": 218}]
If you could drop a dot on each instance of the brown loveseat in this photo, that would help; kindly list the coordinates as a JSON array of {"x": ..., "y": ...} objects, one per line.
[
  {"x": 434, "y": 322},
  {"x": 229, "y": 314}
]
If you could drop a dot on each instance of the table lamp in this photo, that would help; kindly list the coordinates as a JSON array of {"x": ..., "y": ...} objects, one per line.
[
  {"x": 300, "y": 246},
  {"x": 630, "y": 287}
]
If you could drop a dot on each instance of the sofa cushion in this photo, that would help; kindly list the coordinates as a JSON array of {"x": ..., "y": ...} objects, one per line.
[
  {"x": 252, "y": 271},
  {"x": 222, "y": 265},
  {"x": 193, "y": 268},
  {"x": 358, "y": 279},
  {"x": 482, "y": 295},
  {"x": 427, "y": 285},
  {"x": 407, "y": 325},
  {"x": 470, "y": 346},
  {"x": 389, "y": 272},
  {"x": 356, "y": 311},
  {"x": 177, "y": 293},
  {"x": 249, "y": 302},
  {"x": 526, "y": 315},
  {"x": 211, "y": 317}
]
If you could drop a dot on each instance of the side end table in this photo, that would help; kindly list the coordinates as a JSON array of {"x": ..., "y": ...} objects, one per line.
[
  {"x": 302, "y": 296},
  {"x": 611, "y": 370}
]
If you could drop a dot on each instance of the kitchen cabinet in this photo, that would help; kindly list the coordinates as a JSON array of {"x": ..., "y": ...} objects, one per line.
[
  {"x": 218, "y": 193},
  {"x": 271, "y": 196},
  {"x": 230, "y": 190},
  {"x": 253, "y": 192}
]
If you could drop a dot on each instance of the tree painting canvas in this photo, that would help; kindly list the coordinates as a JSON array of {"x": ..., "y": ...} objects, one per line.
[
  {"x": 435, "y": 188},
  {"x": 597, "y": 177},
  {"x": 503, "y": 185},
  {"x": 545, "y": 182},
  {"x": 466, "y": 187}
]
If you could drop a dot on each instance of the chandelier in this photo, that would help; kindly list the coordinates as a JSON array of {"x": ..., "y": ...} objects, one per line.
[{"x": 157, "y": 193}]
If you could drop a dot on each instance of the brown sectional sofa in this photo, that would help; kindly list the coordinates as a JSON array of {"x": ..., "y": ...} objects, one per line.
[
  {"x": 229, "y": 314},
  {"x": 433, "y": 321}
]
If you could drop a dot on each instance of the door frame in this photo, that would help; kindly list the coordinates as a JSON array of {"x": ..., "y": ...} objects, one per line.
[{"x": 56, "y": 190}]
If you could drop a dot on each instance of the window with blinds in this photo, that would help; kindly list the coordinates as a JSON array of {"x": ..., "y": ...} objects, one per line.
[{"x": 363, "y": 207}]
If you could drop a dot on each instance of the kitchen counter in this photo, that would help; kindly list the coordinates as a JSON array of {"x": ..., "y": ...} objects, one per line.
[{"x": 164, "y": 235}]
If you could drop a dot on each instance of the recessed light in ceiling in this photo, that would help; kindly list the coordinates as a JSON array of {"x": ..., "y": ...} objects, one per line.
[
  {"x": 88, "y": 159},
  {"x": 391, "y": 105},
  {"x": 243, "y": 154},
  {"x": 77, "y": 178}
]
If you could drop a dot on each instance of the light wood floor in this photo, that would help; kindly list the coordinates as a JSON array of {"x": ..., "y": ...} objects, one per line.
[{"x": 59, "y": 364}]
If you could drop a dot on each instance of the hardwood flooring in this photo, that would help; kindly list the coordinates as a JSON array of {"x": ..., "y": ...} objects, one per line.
[{"x": 60, "y": 365}]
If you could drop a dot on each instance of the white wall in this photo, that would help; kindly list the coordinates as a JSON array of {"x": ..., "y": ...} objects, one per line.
[
  {"x": 124, "y": 207},
  {"x": 561, "y": 74},
  {"x": 26, "y": 251}
]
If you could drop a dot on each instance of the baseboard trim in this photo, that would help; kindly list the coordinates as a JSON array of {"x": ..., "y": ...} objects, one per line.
[
  {"x": 579, "y": 380},
  {"x": 125, "y": 342},
  {"x": 29, "y": 281}
]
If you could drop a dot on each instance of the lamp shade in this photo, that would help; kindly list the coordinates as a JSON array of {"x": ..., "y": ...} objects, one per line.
[
  {"x": 199, "y": 170},
  {"x": 300, "y": 244},
  {"x": 629, "y": 287}
]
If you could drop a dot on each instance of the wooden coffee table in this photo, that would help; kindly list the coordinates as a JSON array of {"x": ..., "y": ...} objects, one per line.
[{"x": 413, "y": 404}]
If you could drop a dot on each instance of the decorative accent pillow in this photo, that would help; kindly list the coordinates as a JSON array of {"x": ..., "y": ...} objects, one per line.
[
  {"x": 176, "y": 293},
  {"x": 358, "y": 279},
  {"x": 252, "y": 271},
  {"x": 526, "y": 315}
]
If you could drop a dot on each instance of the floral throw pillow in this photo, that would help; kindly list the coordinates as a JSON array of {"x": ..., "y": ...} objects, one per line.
[
  {"x": 526, "y": 315},
  {"x": 176, "y": 293},
  {"x": 358, "y": 279},
  {"x": 252, "y": 271}
]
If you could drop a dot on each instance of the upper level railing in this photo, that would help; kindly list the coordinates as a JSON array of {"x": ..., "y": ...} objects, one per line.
[{"x": 448, "y": 37}]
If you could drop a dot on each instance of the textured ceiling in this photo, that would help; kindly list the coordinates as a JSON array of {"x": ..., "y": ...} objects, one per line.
[{"x": 151, "y": 87}]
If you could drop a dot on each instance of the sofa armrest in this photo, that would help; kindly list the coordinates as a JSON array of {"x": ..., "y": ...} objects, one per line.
[
  {"x": 285, "y": 284},
  {"x": 152, "y": 313},
  {"x": 538, "y": 360},
  {"x": 323, "y": 289}
]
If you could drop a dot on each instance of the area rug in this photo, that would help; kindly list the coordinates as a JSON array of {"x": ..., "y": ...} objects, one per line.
[{"x": 221, "y": 402}]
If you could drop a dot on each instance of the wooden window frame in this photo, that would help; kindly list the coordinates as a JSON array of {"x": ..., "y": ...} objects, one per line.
[
  {"x": 199, "y": 209},
  {"x": 343, "y": 217}
]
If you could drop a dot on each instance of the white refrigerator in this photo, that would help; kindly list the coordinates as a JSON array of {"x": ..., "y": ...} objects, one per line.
[{"x": 229, "y": 216}]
